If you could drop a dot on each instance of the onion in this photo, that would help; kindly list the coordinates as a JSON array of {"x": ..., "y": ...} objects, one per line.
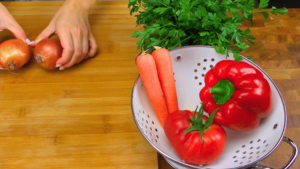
[
  {"x": 47, "y": 52},
  {"x": 14, "y": 53}
]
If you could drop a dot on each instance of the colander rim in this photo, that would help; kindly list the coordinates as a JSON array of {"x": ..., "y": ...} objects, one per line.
[{"x": 193, "y": 166}]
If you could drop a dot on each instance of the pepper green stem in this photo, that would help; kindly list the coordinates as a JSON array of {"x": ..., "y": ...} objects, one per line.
[{"x": 222, "y": 91}]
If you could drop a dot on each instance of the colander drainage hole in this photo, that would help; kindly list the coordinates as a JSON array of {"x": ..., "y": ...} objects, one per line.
[
  {"x": 257, "y": 157},
  {"x": 204, "y": 68},
  {"x": 251, "y": 153},
  {"x": 202, "y": 75},
  {"x": 265, "y": 141},
  {"x": 156, "y": 140},
  {"x": 250, "y": 157},
  {"x": 143, "y": 112},
  {"x": 148, "y": 116},
  {"x": 195, "y": 70},
  {"x": 241, "y": 162},
  {"x": 257, "y": 152},
  {"x": 211, "y": 66},
  {"x": 205, "y": 60},
  {"x": 234, "y": 156},
  {"x": 251, "y": 142},
  {"x": 200, "y": 83},
  {"x": 237, "y": 151},
  {"x": 157, "y": 136},
  {"x": 243, "y": 146},
  {"x": 244, "y": 157},
  {"x": 275, "y": 126},
  {"x": 251, "y": 148},
  {"x": 151, "y": 128},
  {"x": 150, "y": 134},
  {"x": 198, "y": 64},
  {"x": 147, "y": 121},
  {"x": 236, "y": 161},
  {"x": 258, "y": 140},
  {"x": 244, "y": 152},
  {"x": 258, "y": 147},
  {"x": 156, "y": 130},
  {"x": 212, "y": 59},
  {"x": 196, "y": 77},
  {"x": 249, "y": 161}
]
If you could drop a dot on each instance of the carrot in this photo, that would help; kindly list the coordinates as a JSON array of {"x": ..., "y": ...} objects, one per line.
[
  {"x": 164, "y": 67},
  {"x": 147, "y": 68}
]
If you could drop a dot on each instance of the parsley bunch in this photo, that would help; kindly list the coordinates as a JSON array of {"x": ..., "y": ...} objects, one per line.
[{"x": 174, "y": 23}]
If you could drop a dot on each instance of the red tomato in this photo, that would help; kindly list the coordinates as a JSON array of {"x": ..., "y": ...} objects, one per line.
[
  {"x": 47, "y": 52},
  {"x": 14, "y": 53},
  {"x": 189, "y": 146}
]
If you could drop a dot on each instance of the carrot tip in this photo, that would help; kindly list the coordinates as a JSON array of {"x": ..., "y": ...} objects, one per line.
[{"x": 157, "y": 47}]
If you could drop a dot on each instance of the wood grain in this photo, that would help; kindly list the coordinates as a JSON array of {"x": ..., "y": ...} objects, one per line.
[{"x": 81, "y": 117}]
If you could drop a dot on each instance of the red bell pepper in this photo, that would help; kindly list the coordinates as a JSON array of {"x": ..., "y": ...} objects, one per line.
[
  {"x": 241, "y": 93},
  {"x": 196, "y": 139}
]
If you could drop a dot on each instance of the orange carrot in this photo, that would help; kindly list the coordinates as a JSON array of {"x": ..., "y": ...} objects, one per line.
[
  {"x": 147, "y": 68},
  {"x": 164, "y": 67}
]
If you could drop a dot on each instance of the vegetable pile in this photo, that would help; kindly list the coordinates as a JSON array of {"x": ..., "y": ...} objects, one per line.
[
  {"x": 173, "y": 23},
  {"x": 15, "y": 53},
  {"x": 236, "y": 96}
]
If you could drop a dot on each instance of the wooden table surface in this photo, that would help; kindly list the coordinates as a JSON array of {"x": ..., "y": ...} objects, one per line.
[{"x": 81, "y": 117}]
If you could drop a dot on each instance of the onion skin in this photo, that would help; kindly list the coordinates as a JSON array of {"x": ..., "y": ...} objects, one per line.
[
  {"x": 14, "y": 53},
  {"x": 47, "y": 52}
]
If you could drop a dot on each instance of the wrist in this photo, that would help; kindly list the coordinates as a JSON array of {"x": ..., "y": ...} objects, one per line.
[{"x": 85, "y": 4}]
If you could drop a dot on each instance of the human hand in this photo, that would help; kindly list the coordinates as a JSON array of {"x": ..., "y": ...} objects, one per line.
[
  {"x": 8, "y": 22},
  {"x": 72, "y": 26}
]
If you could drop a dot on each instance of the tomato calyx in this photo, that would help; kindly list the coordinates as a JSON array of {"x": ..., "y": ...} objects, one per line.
[
  {"x": 197, "y": 121},
  {"x": 222, "y": 91}
]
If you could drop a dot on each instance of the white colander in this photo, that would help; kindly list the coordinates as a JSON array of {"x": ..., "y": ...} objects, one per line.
[{"x": 243, "y": 149}]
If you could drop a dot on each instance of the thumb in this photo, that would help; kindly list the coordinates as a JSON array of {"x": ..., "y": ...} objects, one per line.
[{"x": 48, "y": 32}]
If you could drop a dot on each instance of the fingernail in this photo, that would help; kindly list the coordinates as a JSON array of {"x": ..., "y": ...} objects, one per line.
[
  {"x": 58, "y": 65},
  {"x": 61, "y": 68}
]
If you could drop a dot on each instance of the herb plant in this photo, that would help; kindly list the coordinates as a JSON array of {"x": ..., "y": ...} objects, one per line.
[{"x": 174, "y": 23}]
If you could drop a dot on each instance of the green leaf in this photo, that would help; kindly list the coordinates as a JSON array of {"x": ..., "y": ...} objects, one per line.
[
  {"x": 282, "y": 11},
  {"x": 247, "y": 31},
  {"x": 166, "y": 2},
  {"x": 237, "y": 56},
  {"x": 243, "y": 45},
  {"x": 210, "y": 119},
  {"x": 160, "y": 10},
  {"x": 203, "y": 33},
  {"x": 263, "y": 4},
  {"x": 265, "y": 14}
]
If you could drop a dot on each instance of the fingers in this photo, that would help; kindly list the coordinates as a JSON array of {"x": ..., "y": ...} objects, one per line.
[
  {"x": 78, "y": 53},
  {"x": 68, "y": 48},
  {"x": 46, "y": 33},
  {"x": 93, "y": 46}
]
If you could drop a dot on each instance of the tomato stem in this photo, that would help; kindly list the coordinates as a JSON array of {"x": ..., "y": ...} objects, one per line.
[{"x": 197, "y": 121}]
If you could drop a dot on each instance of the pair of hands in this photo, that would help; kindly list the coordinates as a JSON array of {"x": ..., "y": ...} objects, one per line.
[{"x": 72, "y": 26}]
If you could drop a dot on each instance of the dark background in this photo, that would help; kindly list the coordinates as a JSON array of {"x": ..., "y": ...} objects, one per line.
[{"x": 284, "y": 3}]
